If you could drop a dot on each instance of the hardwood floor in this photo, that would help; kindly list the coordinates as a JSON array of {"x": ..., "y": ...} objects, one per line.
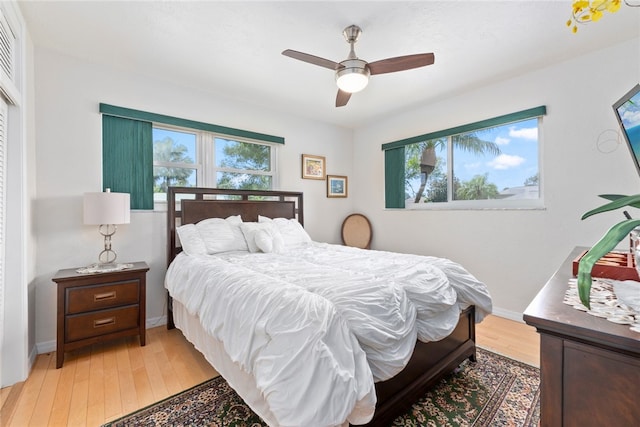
[
  {"x": 513, "y": 339},
  {"x": 106, "y": 381}
]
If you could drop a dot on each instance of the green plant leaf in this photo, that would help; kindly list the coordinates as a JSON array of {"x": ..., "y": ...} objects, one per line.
[
  {"x": 613, "y": 197},
  {"x": 606, "y": 243},
  {"x": 616, "y": 204}
]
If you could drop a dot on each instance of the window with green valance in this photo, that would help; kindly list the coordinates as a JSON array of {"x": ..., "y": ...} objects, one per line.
[
  {"x": 128, "y": 150},
  {"x": 435, "y": 169}
]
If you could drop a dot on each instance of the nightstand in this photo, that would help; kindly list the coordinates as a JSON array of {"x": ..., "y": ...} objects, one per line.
[{"x": 96, "y": 307}]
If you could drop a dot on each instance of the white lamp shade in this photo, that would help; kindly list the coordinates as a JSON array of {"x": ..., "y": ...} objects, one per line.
[{"x": 106, "y": 208}]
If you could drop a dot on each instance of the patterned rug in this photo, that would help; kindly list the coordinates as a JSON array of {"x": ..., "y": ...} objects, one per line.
[{"x": 494, "y": 391}]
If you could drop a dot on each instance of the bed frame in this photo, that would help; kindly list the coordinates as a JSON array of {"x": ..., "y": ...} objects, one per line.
[{"x": 429, "y": 363}]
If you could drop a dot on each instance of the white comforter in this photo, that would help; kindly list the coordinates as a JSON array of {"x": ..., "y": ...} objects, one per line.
[{"x": 316, "y": 326}]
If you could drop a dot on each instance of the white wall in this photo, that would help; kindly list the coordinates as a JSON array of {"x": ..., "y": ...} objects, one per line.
[
  {"x": 513, "y": 251},
  {"x": 69, "y": 158}
]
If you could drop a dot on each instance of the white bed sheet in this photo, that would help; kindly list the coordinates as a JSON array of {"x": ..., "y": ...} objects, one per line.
[
  {"x": 304, "y": 361},
  {"x": 236, "y": 377},
  {"x": 356, "y": 314}
]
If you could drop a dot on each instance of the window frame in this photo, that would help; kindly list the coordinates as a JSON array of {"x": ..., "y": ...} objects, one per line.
[
  {"x": 205, "y": 161},
  {"x": 451, "y": 204},
  {"x": 273, "y": 173}
]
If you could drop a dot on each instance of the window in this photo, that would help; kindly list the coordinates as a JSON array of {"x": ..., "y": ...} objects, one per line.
[
  {"x": 145, "y": 153},
  {"x": 489, "y": 164},
  {"x": 184, "y": 158},
  {"x": 174, "y": 160},
  {"x": 245, "y": 165}
]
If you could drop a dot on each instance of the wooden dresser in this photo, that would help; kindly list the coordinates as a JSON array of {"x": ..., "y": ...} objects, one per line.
[
  {"x": 589, "y": 367},
  {"x": 99, "y": 306}
]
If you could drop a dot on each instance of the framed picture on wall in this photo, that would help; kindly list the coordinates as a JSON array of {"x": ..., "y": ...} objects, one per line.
[
  {"x": 313, "y": 167},
  {"x": 336, "y": 186}
]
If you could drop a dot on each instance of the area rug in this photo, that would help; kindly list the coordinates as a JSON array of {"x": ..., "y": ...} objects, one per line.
[{"x": 494, "y": 391}]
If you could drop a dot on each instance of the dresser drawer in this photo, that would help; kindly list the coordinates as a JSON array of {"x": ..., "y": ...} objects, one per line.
[
  {"x": 102, "y": 322},
  {"x": 97, "y": 297}
]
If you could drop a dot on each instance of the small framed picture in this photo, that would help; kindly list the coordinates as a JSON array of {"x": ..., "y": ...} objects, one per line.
[
  {"x": 336, "y": 186},
  {"x": 313, "y": 167}
]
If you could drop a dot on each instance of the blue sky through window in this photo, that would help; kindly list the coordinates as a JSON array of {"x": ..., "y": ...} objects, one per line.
[{"x": 518, "y": 161}]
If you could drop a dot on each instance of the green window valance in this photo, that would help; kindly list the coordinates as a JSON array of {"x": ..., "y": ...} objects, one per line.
[
  {"x": 186, "y": 123},
  {"x": 483, "y": 124}
]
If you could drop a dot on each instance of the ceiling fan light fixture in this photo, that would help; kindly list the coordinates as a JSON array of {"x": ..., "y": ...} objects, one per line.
[
  {"x": 352, "y": 80},
  {"x": 353, "y": 77}
]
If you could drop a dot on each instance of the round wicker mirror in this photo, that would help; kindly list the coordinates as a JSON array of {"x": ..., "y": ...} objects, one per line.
[{"x": 356, "y": 231}]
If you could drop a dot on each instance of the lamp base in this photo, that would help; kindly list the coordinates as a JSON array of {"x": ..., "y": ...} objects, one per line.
[
  {"x": 100, "y": 267},
  {"x": 105, "y": 266}
]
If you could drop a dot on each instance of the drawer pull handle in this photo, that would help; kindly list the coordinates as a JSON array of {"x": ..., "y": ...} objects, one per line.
[
  {"x": 104, "y": 296},
  {"x": 104, "y": 322}
]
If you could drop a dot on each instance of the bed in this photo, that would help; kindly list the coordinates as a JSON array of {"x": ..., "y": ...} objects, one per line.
[{"x": 372, "y": 401}]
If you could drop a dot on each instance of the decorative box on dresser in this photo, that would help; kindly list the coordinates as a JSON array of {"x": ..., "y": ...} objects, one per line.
[
  {"x": 589, "y": 366},
  {"x": 96, "y": 307}
]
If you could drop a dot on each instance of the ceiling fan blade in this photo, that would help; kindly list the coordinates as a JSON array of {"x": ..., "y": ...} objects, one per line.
[
  {"x": 401, "y": 63},
  {"x": 311, "y": 59},
  {"x": 342, "y": 98}
]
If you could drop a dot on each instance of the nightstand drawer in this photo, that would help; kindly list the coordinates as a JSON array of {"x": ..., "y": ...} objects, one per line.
[
  {"x": 89, "y": 298},
  {"x": 101, "y": 322}
]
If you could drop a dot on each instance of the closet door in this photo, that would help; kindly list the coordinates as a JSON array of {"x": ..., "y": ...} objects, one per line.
[
  {"x": 3, "y": 198},
  {"x": 14, "y": 298}
]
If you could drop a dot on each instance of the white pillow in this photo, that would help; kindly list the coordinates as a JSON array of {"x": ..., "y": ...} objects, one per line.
[
  {"x": 262, "y": 237},
  {"x": 270, "y": 240},
  {"x": 249, "y": 229},
  {"x": 264, "y": 241},
  {"x": 222, "y": 235},
  {"x": 291, "y": 230},
  {"x": 190, "y": 240}
]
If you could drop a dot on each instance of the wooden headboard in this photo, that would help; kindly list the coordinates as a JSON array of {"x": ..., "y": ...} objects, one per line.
[{"x": 188, "y": 205}]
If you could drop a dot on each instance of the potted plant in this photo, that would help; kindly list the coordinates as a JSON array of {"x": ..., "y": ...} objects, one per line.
[{"x": 608, "y": 242}]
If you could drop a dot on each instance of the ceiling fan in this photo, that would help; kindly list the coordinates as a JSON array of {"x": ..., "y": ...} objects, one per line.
[{"x": 352, "y": 74}]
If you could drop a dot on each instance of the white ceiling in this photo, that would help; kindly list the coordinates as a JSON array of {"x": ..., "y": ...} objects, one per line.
[{"x": 233, "y": 49}]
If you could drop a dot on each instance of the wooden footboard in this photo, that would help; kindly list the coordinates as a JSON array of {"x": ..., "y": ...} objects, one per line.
[{"x": 430, "y": 363}]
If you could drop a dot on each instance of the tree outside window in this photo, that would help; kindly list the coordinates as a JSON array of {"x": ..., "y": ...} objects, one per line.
[
  {"x": 243, "y": 165},
  {"x": 499, "y": 162},
  {"x": 186, "y": 158}
]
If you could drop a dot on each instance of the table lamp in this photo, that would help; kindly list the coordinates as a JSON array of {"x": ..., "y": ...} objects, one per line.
[{"x": 106, "y": 210}]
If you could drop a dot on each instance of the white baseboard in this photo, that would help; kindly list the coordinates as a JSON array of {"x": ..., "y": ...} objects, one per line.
[
  {"x": 32, "y": 358},
  {"x": 156, "y": 321},
  {"x": 508, "y": 314},
  {"x": 48, "y": 346},
  {"x": 45, "y": 347}
]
